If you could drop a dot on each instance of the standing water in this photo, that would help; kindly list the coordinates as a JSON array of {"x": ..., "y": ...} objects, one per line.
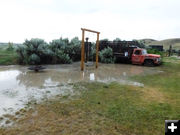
[{"x": 19, "y": 86}]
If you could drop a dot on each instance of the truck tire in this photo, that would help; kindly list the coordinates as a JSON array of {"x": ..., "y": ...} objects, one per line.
[{"x": 149, "y": 63}]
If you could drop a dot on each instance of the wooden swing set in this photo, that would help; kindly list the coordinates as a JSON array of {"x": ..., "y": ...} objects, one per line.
[{"x": 83, "y": 49}]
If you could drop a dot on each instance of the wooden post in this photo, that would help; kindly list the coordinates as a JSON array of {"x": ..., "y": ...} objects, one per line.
[
  {"x": 82, "y": 47},
  {"x": 97, "y": 49},
  {"x": 82, "y": 51}
]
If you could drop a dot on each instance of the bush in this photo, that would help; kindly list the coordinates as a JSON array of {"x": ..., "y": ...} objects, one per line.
[
  {"x": 75, "y": 51},
  {"x": 154, "y": 51},
  {"x": 37, "y": 51},
  {"x": 63, "y": 57},
  {"x": 141, "y": 43},
  {"x": 62, "y": 50},
  {"x": 106, "y": 55},
  {"x": 57, "y": 44},
  {"x": 70, "y": 51},
  {"x": 116, "y": 39},
  {"x": 10, "y": 47},
  {"x": 32, "y": 52},
  {"x": 34, "y": 59}
]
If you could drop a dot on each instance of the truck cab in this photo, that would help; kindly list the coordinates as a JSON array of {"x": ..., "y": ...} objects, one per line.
[{"x": 141, "y": 57}]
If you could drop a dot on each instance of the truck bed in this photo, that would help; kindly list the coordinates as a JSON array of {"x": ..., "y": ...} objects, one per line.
[{"x": 122, "y": 50}]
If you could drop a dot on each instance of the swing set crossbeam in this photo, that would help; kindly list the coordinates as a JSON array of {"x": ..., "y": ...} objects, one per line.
[
  {"x": 83, "y": 29},
  {"x": 82, "y": 47}
]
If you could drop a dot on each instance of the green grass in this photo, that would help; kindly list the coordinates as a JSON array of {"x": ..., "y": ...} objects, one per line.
[
  {"x": 109, "y": 109},
  {"x": 126, "y": 106},
  {"x": 8, "y": 57},
  {"x": 166, "y": 81}
]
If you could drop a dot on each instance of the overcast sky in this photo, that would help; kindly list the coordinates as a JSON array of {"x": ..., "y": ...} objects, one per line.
[{"x": 126, "y": 19}]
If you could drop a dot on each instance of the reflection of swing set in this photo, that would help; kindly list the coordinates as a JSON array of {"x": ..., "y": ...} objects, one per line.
[{"x": 83, "y": 48}]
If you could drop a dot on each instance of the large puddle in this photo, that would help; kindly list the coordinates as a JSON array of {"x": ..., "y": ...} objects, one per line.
[{"x": 18, "y": 85}]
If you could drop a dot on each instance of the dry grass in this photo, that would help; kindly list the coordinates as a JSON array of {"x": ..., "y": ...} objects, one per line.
[
  {"x": 153, "y": 94},
  {"x": 62, "y": 118}
]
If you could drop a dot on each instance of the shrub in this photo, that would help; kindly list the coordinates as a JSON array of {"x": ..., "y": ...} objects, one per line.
[
  {"x": 57, "y": 44},
  {"x": 116, "y": 39},
  {"x": 10, "y": 47},
  {"x": 141, "y": 43},
  {"x": 34, "y": 59},
  {"x": 154, "y": 51},
  {"x": 32, "y": 51},
  {"x": 106, "y": 55},
  {"x": 63, "y": 57},
  {"x": 63, "y": 51},
  {"x": 75, "y": 41},
  {"x": 37, "y": 51},
  {"x": 22, "y": 54},
  {"x": 75, "y": 46}
]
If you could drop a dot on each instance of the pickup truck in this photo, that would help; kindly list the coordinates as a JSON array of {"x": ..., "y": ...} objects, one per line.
[
  {"x": 129, "y": 52},
  {"x": 140, "y": 56}
]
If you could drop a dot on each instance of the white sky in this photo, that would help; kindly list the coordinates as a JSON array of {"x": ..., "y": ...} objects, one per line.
[{"x": 51, "y": 19}]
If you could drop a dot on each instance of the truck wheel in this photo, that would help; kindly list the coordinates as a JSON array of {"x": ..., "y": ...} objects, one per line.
[{"x": 149, "y": 63}]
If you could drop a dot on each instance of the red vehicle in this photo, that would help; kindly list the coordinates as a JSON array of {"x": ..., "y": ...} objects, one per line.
[
  {"x": 140, "y": 56},
  {"x": 129, "y": 52}
]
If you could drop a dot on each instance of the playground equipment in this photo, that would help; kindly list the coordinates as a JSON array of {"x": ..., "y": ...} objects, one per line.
[
  {"x": 89, "y": 57},
  {"x": 88, "y": 49},
  {"x": 83, "y": 48}
]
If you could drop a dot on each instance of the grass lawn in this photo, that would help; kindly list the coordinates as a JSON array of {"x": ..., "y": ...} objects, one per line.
[
  {"x": 7, "y": 57},
  {"x": 108, "y": 109}
]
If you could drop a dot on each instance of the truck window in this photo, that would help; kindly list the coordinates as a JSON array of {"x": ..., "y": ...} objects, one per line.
[
  {"x": 126, "y": 54},
  {"x": 137, "y": 52},
  {"x": 144, "y": 52}
]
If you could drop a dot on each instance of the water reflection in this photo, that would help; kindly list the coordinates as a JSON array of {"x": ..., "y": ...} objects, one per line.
[
  {"x": 92, "y": 78},
  {"x": 71, "y": 74},
  {"x": 7, "y": 75},
  {"x": 31, "y": 79}
]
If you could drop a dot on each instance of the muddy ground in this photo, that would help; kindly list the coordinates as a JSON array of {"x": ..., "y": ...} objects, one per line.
[{"x": 19, "y": 87}]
